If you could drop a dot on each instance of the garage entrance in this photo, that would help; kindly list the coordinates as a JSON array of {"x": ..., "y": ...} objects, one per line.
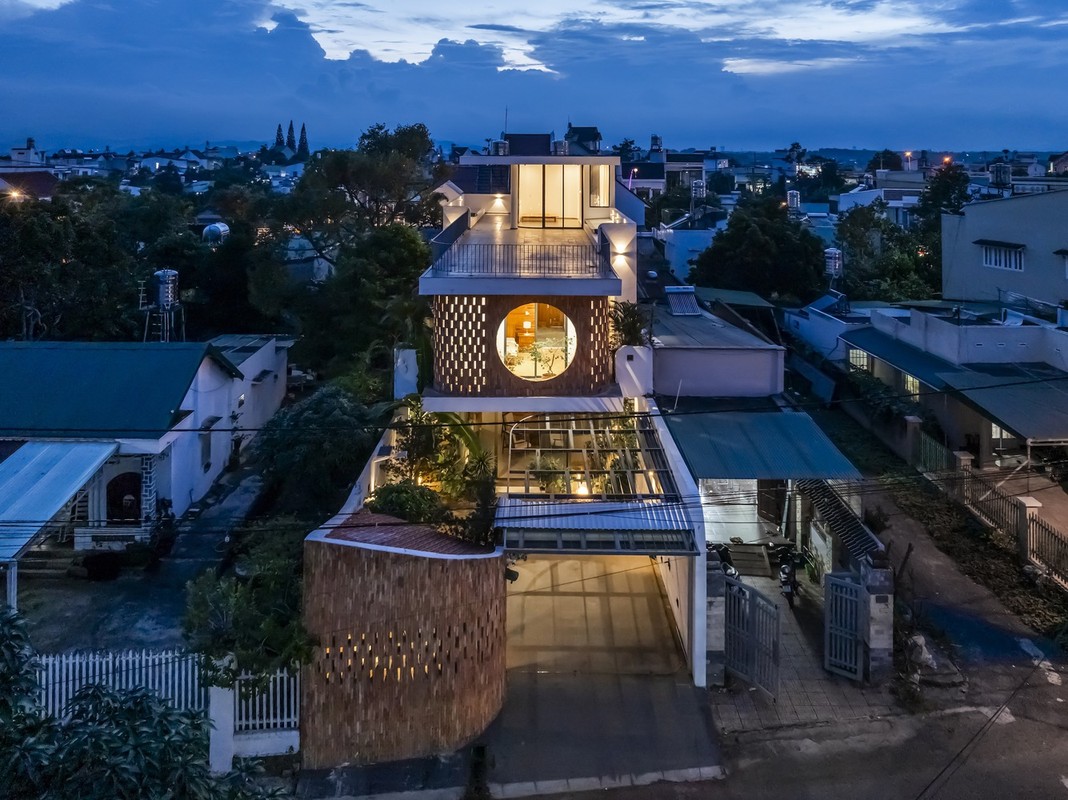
[{"x": 594, "y": 614}]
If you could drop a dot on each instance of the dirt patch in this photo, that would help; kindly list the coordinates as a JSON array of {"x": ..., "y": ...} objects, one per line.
[{"x": 985, "y": 555}]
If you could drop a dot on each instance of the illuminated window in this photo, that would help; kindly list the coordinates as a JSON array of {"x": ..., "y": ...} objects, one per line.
[
  {"x": 536, "y": 341},
  {"x": 601, "y": 180},
  {"x": 858, "y": 359},
  {"x": 912, "y": 386}
]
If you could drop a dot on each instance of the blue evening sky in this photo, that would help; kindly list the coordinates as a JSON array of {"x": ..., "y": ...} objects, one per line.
[{"x": 740, "y": 74}]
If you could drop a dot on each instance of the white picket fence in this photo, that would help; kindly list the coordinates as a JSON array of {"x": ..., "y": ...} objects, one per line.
[
  {"x": 172, "y": 674},
  {"x": 276, "y": 707}
]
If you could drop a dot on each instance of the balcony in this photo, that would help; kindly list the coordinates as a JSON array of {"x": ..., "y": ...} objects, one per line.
[{"x": 493, "y": 259}]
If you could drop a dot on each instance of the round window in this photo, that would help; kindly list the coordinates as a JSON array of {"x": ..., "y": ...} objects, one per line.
[{"x": 536, "y": 341}]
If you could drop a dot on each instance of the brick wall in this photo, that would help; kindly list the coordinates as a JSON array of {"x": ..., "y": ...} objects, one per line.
[
  {"x": 411, "y": 653},
  {"x": 466, "y": 362}
]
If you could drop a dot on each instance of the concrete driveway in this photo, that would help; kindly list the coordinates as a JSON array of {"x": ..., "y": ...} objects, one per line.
[{"x": 598, "y": 694}]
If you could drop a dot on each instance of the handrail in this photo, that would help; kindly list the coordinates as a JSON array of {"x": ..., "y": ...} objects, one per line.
[{"x": 535, "y": 260}]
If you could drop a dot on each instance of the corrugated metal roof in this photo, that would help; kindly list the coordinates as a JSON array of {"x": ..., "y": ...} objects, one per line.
[
  {"x": 94, "y": 390},
  {"x": 732, "y": 297},
  {"x": 35, "y": 483},
  {"x": 1031, "y": 400},
  {"x": 920, "y": 365},
  {"x": 772, "y": 445},
  {"x": 626, "y": 526}
]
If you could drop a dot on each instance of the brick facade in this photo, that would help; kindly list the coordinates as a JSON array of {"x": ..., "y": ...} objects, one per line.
[
  {"x": 466, "y": 362},
  {"x": 411, "y": 653}
]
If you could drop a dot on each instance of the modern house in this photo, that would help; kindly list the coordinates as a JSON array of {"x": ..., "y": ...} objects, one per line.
[
  {"x": 1017, "y": 246},
  {"x": 152, "y": 428}
]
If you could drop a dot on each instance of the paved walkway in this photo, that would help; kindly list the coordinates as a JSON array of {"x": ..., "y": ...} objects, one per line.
[{"x": 808, "y": 694}]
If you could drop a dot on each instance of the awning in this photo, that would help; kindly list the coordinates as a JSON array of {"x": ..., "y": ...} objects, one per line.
[
  {"x": 625, "y": 527},
  {"x": 1031, "y": 400},
  {"x": 771, "y": 445},
  {"x": 999, "y": 243},
  {"x": 36, "y": 481}
]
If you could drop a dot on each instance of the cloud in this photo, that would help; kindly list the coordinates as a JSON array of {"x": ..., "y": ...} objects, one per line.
[{"x": 725, "y": 72}]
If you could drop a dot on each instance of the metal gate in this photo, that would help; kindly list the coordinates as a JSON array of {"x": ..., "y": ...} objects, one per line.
[
  {"x": 842, "y": 644},
  {"x": 752, "y": 636}
]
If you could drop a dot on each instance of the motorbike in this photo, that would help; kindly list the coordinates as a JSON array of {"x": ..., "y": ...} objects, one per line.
[
  {"x": 725, "y": 560},
  {"x": 788, "y": 580}
]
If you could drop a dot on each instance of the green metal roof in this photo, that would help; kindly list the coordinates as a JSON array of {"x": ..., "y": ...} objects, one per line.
[
  {"x": 94, "y": 390},
  {"x": 926, "y": 368},
  {"x": 771, "y": 445},
  {"x": 732, "y": 297}
]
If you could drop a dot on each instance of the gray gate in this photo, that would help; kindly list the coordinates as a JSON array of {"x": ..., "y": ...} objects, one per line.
[
  {"x": 752, "y": 636},
  {"x": 842, "y": 645}
]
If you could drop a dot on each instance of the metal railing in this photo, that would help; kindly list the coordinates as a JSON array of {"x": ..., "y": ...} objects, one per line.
[
  {"x": 521, "y": 260},
  {"x": 983, "y": 497},
  {"x": 933, "y": 456}
]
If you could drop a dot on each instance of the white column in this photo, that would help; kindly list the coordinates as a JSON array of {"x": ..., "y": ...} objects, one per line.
[
  {"x": 221, "y": 741},
  {"x": 12, "y": 584}
]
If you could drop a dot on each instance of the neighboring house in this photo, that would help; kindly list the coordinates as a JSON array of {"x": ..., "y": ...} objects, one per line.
[
  {"x": 36, "y": 184},
  {"x": 900, "y": 203},
  {"x": 102, "y": 438},
  {"x": 583, "y": 140},
  {"x": 822, "y": 322},
  {"x": 992, "y": 377},
  {"x": 689, "y": 236},
  {"x": 1058, "y": 165},
  {"x": 28, "y": 157},
  {"x": 1012, "y": 246},
  {"x": 645, "y": 179}
]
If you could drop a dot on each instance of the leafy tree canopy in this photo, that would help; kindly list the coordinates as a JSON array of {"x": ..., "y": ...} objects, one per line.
[
  {"x": 885, "y": 159},
  {"x": 762, "y": 250}
]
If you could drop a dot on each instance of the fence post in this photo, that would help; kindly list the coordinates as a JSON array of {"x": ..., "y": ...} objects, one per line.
[
  {"x": 221, "y": 742},
  {"x": 716, "y": 622},
  {"x": 1025, "y": 507},
  {"x": 912, "y": 440}
]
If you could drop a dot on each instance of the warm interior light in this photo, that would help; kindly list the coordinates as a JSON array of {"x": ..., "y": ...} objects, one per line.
[
  {"x": 526, "y": 324},
  {"x": 582, "y": 488}
]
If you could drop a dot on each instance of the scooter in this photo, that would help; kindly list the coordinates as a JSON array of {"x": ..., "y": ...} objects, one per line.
[
  {"x": 725, "y": 560},
  {"x": 788, "y": 580}
]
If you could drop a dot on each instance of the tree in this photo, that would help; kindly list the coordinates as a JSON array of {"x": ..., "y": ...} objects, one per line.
[
  {"x": 112, "y": 744},
  {"x": 763, "y": 251},
  {"x": 795, "y": 154},
  {"x": 168, "y": 181},
  {"x": 946, "y": 193},
  {"x": 881, "y": 260},
  {"x": 627, "y": 150},
  {"x": 279, "y": 142},
  {"x": 291, "y": 138},
  {"x": 302, "y": 145},
  {"x": 885, "y": 159}
]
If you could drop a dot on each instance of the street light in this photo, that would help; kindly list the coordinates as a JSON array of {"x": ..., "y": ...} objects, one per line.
[{"x": 908, "y": 160}]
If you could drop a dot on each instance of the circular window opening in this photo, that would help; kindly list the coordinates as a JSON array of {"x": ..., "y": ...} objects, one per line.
[{"x": 536, "y": 341}]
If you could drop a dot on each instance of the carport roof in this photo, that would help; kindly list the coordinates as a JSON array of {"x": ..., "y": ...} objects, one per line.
[
  {"x": 770, "y": 444},
  {"x": 601, "y": 526},
  {"x": 35, "y": 483}
]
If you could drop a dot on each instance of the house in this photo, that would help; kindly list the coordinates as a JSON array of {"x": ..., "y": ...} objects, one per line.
[
  {"x": 1058, "y": 165},
  {"x": 900, "y": 203},
  {"x": 584, "y": 140},
  {"x": 993, "y": 378},
  {"x": 1012, "y": 246},
  {"x": 151, "y": 431},
  {"x": 28, "y": 157},
  {"x": 689, "y": 236}
]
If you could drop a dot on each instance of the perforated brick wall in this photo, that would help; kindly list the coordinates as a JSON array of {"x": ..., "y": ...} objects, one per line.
[
  {"x": 466, "y": 362},
  {"x": 411, "y": 654}
]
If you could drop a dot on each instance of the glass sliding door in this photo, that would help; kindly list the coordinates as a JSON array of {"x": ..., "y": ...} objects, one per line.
[{"x": 550, "y": 196}]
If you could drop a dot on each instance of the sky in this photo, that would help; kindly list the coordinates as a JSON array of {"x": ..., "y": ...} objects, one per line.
[{"x": 736, "y": 74}]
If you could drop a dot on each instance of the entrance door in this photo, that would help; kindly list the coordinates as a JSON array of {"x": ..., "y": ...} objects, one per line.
[
  {"x": 550, "y": 196},
  {"x": 752, "y": 637},
  {"x": 842, "y": 644}
]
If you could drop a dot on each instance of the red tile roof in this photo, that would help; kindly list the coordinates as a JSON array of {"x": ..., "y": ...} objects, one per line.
[{"x": 383, "y": 530}]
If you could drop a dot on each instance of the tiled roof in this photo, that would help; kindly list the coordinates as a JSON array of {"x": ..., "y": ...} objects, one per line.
[{"x": 383, "y": 530}]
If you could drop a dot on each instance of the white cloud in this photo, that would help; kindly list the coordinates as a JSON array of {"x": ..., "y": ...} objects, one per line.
[{"x": 767, "y": 66}]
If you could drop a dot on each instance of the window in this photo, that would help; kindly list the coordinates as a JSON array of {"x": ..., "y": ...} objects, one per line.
[
  {"x": 912, "y": 386},
  {"x": 205, "y": 450},
  {"x": 858, "y": 359},
  {"x": 601, "y": 185},
  {"x": 536, "y": 341},
  {"x": 240, "y": 400},
  {"x": 1002, "y": 257}
]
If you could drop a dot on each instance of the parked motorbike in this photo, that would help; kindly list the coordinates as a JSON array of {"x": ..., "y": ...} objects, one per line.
[
  {"x": 788, "y": 580},
  {"x": 725, "y": 560}
]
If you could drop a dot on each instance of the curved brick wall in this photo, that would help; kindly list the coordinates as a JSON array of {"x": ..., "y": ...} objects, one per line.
[
  {"x": 466, "y": 362},
  {"x": 411, "y": 655}
]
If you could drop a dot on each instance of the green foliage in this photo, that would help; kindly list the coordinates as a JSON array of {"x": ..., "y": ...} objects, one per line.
[
  {"x": 254, "y": 616},
  {"x": 887, "y": 404},
  {"x": 763, "y": 251},
  {"x": 548, "y": 472},
  {"x": 313, "y": 451},
  {"x": 113, "y": 744},
  {"x": 409, "y": 501},
  {"x": 885, "y": 159},
  {"x": 946, "y": 193},
  {"x": 884, "y": 261},
  {"x": 631, "y": 324}
]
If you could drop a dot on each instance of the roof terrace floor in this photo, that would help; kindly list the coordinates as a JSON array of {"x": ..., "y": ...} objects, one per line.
[{"x": 496, "y": 229}]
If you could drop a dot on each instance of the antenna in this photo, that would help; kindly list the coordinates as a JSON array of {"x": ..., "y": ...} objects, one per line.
[{"x": 506, "y": 119}]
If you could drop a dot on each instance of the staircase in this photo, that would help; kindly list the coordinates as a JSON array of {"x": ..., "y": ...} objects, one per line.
[
  {"x": 751, "y": 560},
  {"x": 46, "y": 562}
]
